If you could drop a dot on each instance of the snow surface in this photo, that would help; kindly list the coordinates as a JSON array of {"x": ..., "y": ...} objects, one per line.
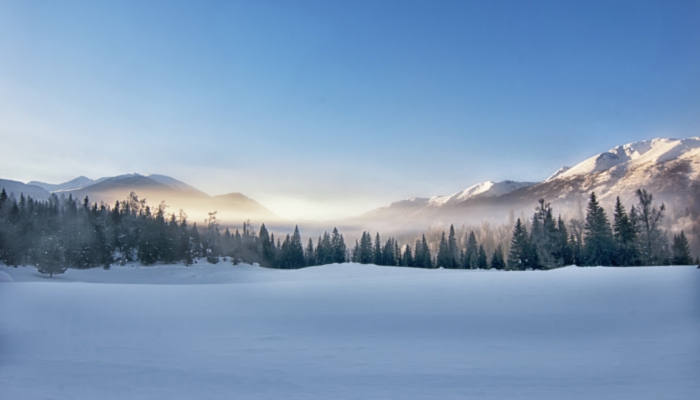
[{"x": 350, "y": 332}]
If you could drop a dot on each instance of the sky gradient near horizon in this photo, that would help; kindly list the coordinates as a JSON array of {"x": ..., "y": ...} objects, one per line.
[{"x": 328, "y": 109}]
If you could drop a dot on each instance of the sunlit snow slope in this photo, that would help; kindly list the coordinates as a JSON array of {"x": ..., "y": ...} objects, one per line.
[{"x": 350, "y": 332}]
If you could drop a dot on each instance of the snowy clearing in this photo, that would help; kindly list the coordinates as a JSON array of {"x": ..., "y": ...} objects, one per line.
[{"x": 350, "y": 332}]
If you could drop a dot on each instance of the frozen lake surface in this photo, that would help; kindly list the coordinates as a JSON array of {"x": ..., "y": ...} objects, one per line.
[{"x": 350, "y": 332}]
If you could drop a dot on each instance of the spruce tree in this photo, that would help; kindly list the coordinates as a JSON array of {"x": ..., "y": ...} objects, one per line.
[
  {"x": 296, "y": 250},
  {"x": 377, "y": 255},
  {"x": 407, "y": 258},
  {"x": 625, "y": 237},
  {"x": 454, "y": 250},
  {"x": 598, "y": 246},
  {"x": 681, "y": 250},
  {"x": 520, "y": 253},
  {"x": 444, "y": 256},
  {"x": 497, "y": 259},
  {"x": 310, "y": 255},
  {"x": 481, "y": 260},
  {"x": 470, "y": 253}
]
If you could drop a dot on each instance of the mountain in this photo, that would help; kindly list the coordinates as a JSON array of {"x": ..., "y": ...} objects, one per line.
[
  {"x": 668, "y": 168},
  {"x": 76, "y": 183},
  {"x": 17, "y": 188},
  {"x": 177, "y": 195}
]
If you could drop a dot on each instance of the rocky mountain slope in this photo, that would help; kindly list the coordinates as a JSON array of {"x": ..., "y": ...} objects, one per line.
[{"x": 669, "y": 168}]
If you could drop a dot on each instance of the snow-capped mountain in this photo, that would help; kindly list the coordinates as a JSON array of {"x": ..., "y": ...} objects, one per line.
[
  {"x": 668, "y": 168},
  {"x": 483, "y": 190},
  {"x": 632, "y": 155}
]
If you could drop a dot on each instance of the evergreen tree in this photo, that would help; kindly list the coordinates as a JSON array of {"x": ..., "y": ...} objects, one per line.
[
  {"x": 407, "y": 258},
  {"x": 520, "y": 253},
  {"x": 267, "y": 247},
  {"x": 598, "y": 246},
  {"x": 366, "y": 255},
  {"x": 377, "y": 257},
  {"x": 470, "y": 255},
  {"x": 454, "y": 250},
  {"x": 296, "y": 251},
  {"x": 681, "y": 250},
  {"x": 310, "y": 255},
  {"x": 544, "y": 238},
  {"x": 497, "y": 260},
  {"x": 625, "y": 237},
  {"x": 564, "y": 250},
  {"x": 388, "y": 255},
  {"x": 444, "y": 256},
  {"x": 338, "y": 247},
  {"x": 422, "y": 258},
  {"x": 481, "y": 261}
]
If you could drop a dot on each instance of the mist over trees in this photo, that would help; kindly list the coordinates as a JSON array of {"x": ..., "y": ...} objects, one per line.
[{"x": 63, "y": 232}]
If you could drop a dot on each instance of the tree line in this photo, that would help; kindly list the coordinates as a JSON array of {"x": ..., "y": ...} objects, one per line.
[{"x": 63, "y": 232}]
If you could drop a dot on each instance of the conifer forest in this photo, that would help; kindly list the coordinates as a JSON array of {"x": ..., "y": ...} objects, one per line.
[{"x": 64, "y": 232}]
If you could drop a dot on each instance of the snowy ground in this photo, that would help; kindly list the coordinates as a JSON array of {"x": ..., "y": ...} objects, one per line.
[{"x": 350, "y": 332}]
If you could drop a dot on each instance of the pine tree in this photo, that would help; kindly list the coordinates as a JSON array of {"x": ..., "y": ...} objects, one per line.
[
  {"x": 388, "y": 257},
  {"x": 520, "y": 253},
  {"x": 481, "y": 261},
  {"x": 422, "y": 258},
  {"x": 625, "y": 236},
  {"x": 407, "y": 258},
  {"x": 544, "y": 238},
  {"x": 470, "y": 253},
  {"x": 377, "y": 256},
  {"x": 338, "y": 247},
  {"x": 366, "y": 255},
  {"x": 266, "y": 244},
  {"x": 454, "y": 250},
  {"x": 681, "y": 250},
  {"x": 310, "y": 255},
  {"x": 296, "y": 251},
  {"x": 444, "y": 256},
  {"x": 598, "y": 246},
  {"x": 564, "y": 251},
  {"x": 497, "y": 260}
]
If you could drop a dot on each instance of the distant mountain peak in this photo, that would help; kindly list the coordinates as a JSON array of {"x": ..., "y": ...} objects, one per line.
[
  {"x": 483, "y": 189},
  {"x": 557, "y": 173},
  {"x": 632, "y": 154}
]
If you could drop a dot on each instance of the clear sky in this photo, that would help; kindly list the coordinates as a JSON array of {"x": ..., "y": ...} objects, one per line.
[{"x": 328, "y": 109}]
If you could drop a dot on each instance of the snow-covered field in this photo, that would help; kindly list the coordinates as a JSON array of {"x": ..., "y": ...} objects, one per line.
[{"x": 350, "y": 332}]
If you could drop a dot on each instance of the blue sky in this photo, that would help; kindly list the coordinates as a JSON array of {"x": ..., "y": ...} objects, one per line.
[{"x": 328, "y": 109}]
